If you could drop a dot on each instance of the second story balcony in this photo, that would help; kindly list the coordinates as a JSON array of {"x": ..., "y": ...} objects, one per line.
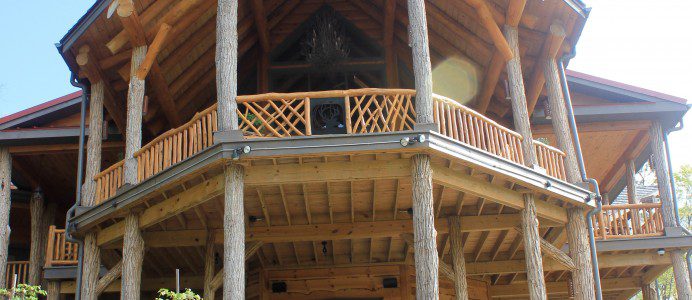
[{"x": 360, "y": 112}]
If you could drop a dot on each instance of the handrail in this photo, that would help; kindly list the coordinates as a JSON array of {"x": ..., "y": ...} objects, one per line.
[
  {"x": 369, "y": 110},
  {"x": 60, "y": 252},
  {"x": 468, "y": 126},
  {"x": 629, "y": 221},
  {"x": 21, "y": 268},
  {"x": 551, "y": 159}
]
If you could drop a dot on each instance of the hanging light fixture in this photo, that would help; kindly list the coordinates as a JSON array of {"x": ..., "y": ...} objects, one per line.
[{"x": 325, "y": 46}]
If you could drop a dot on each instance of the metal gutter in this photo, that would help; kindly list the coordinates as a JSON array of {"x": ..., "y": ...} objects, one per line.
[{"x": 82, "y": 25}]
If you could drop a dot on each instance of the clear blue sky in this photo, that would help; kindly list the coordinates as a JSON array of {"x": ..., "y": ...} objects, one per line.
[{"x": 631, "y": 41}]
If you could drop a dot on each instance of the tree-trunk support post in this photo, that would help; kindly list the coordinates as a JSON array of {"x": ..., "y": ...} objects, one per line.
[
  {"x": 133, "y": 257},
  {"x": 209, "y": 270},
  {"x": 459, "y": 264},
  {"x": 53, "y": 290},
  {"x": 425, "y": 235},
  {"x": 518, "y": 94},
  {"x": 649, "y": 292},
  {"x": 36, "y": 207},
  {"x": 226, "y": 87},
  {"x": 5, "y": 184},
  {"x": 665, "y": 190},
  {"x": 135, "y": 103},
  {"x": 91, "y": 259},
  {"x": 532, "y": 249},
  {"x": 422, "y": 68}
]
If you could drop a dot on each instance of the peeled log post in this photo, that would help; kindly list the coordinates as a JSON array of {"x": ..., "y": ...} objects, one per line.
[
  {"x": 5, "y": 184},
  {"x": 425, "y": 235},
  {"x": 532, "y": 249},
  {"x": 93, "y": 157},
  {"x": 558, "y": 113},
  {"x": 227, "y": 64},
  {"x": 36, "y": 207},
  {"x": 649, "y": 292},
  {"x": 517, "y": 92},
  {"x": 91, "y": 264},
  {"x": 665, "y": 190},
  {"x": 53, "y": 290},
  {"x": 209, "y": 270},
  {"x": 234, "y": 233},
  {"x": 457, "y": 248},
  {"x": 133, "y": 256},
  {"x": 135, "y": 102},
  {"x": 422, "y": 70},
  {"x": 91, "y": 258},
  {"x": 580, "y": 251},
  {"x": 631, "y": 184}
]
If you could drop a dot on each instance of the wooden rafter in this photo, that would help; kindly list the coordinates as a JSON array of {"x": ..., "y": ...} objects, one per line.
[{"x": 261, "y": 24}]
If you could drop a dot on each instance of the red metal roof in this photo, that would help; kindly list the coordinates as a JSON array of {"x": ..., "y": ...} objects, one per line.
[
  {"x": 628, "y": 87},
  {"x": 40, "y": 107}
]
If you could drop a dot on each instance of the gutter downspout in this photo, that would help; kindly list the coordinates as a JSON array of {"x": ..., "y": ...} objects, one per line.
[
  {"x": 69, "y": 227},
  {"x": 582, "y": 170}
]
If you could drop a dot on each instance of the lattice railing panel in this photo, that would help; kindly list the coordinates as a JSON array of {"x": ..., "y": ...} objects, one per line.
[
  {"x": 373, "y": 113},
  {"x": 274, "y": 117}
]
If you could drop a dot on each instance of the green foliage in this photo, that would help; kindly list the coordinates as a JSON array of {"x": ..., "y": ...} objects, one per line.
[
  {"x": 24, "y": 292},
  {"x": 166, "y": 294}
]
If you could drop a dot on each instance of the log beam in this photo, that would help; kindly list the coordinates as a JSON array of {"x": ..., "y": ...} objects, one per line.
[
  {"x": 486, "y": 18},
  {"x": 153, "y": 51},
  {"x": 549, "y": 51},
  {"x": 261, "y": 24},
  {"x": 88, "y": 64},
  {"x": 108, "y": 278}
]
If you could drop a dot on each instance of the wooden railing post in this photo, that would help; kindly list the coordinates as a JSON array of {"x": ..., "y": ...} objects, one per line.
[{"x": 50, "y": 248}]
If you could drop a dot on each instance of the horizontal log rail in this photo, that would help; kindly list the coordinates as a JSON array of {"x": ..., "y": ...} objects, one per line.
[
  {"x": 279, "y": 115},
  {"x": 21, "y": 268},
  {"x": 470, "y": 127},
  {"x": 60, "y": 252},
  {"x": 629, "y": 221},
  {"x": 551, "y": 159}
]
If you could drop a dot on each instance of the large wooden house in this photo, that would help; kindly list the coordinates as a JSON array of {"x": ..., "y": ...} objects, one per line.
[{"x": 359, "y": 149}]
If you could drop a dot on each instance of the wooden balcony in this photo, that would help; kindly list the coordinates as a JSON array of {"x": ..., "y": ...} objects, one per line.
[
  {"x": 20, "y": 268},
  {"x": 627, "y": 221},
  {"x": 366, "y": 111},
  {"x": 59, "y": 252}
]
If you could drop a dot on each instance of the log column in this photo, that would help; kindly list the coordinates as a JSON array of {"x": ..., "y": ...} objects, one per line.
[
  {"x": 91, "y": 262},
  {"x": 665, "y": 190},
  {"x": 133, "y": 256},
  {"x": 424, "y": 233},
  {"x": 422, "y": 70},
  {"x": 36, "y": 207},
  {"x": 5, "y": 183},
  {"x": 649, "y": 292},
  {"x": 234, "y": 212},
  {"x": 53, "y": 290},
  {"x": 209, "y": 267},
  {"x": 520, "y": 112},
  {"x": 457, "y": 247},
  {"x": 577, "y": 236},
  {"x": 532, "y": 249},
  {"x": 135, "y": 102}
]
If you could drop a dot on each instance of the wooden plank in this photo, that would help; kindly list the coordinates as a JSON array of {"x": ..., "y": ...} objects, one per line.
[
  {"x": 481, "y": 188},
  {"x": 327, "y": 171}
]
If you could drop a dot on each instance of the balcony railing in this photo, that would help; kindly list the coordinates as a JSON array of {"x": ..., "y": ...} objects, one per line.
[
  {"x": 21, "y": 268},
  {"x": 60, "y": 252},
  {"x": 277, "y": 115},
  {"x": 629, "y": 221}
]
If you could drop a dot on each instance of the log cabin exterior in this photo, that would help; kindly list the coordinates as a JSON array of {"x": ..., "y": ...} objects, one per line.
[{"x": 432, "y": 158}]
